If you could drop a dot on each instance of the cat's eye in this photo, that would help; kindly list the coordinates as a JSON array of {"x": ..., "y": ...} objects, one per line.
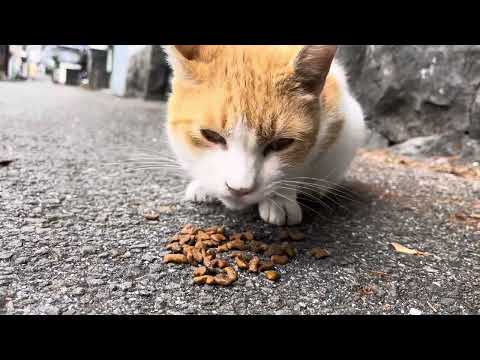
[
  {"x": 278, "y": 145},
  {"x": 213, "y": 137}
]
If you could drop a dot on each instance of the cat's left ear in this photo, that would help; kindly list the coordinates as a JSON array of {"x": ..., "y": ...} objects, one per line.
[
  {"x": 312, "y": 66},
  {"x": 182, "y": 58}
]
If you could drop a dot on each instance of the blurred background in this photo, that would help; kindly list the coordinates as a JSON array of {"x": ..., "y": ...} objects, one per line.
[
  {"x": 127, "y": 70},
  {"x": 420, "y": 100}
]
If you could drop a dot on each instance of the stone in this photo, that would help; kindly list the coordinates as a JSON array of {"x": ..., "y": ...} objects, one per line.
[
  {"x": 5, "y": 255},
  {"x": 411, "y": 91}
]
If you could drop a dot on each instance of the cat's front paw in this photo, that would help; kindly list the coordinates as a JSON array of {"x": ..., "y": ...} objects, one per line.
[
  {"x": 279, "y": 211},
  {"x": 196, "y": 193}
]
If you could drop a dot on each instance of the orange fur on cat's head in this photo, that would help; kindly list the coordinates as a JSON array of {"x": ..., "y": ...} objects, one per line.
[
  {"x": 273, "y": 90},
  {"x": 241, "y": 118}
]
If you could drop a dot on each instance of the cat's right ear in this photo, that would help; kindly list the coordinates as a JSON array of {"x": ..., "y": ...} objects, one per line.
[{"x": 181, "y": 58}]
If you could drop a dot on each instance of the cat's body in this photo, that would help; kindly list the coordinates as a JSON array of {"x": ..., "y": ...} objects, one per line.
[{"x": 262, "y": 124}]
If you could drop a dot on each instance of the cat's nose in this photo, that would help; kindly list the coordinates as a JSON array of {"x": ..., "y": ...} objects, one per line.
[{"x": 239, "y": 192}]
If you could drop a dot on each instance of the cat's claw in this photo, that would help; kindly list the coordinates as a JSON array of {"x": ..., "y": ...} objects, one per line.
[
  {"x": 279, "y": 211},
  {"x": 196, "y": 193}
]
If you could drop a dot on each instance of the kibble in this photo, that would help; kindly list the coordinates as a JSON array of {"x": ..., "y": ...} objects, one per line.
[
  {"x": 272, "y": 275},
  {"x": 279, "y": 259},
  {"x": 175, "y": 258}
]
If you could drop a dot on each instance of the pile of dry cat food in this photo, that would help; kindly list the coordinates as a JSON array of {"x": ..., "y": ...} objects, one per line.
[{"x": 202, "y": 248}]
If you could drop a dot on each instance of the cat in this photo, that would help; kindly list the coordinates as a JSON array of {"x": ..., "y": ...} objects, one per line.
[{"x": 261, "y": 124}]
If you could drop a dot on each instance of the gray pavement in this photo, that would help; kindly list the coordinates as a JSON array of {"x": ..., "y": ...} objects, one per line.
[{"x": 73, "y": 239}]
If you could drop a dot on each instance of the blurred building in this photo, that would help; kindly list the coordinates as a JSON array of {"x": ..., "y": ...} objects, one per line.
[
  {"x": 4, "y": 58},
  {"x": 128, "y": 70},
  {"x": 139, "y": 71}
]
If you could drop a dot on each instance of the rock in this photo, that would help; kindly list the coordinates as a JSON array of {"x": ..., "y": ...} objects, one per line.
[
  {"x": 447, "y": 144},
  {"x": 95, "y": 282},
  {"x": 375, "y": 140},
  {"x": 126, "y": 285},
  {"x": 15, "y": 243},
  {"x": 410, "y": 91},
  {"x": 87, "y": 250},
  {"x": 414, "y": 311},
  {"x": 78, "y": 291},
  {"x": 5, "y": 255},
  {"x": 21, "y": 260},
  {"x": 49, "y": 310}
]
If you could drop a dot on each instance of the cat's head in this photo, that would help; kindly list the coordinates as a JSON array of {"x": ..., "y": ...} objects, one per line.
[{"x": 241, "y": 118}]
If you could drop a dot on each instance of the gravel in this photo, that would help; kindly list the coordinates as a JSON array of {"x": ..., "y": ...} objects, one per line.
[{"x": 74, "y": 240}]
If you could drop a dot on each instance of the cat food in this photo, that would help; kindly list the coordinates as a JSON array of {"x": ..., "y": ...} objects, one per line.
[
  {"x": 265, "y": 266},
  {"x": 200, "y": 271},
  {"x": 243, "y": 265},
  {"x": 200, "y": 247},
  {"x": 274, "y": 249},
  {"x": 279, "y": 259},
  {"x": 254, "y": 264},
  {"x": 175, "y": 258},
  {"x": 272, "y": 275},
  {"x": 319, "y": 253}
]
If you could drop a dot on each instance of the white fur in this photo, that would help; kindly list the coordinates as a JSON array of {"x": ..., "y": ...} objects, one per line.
[{"x": 243, "y": 165}]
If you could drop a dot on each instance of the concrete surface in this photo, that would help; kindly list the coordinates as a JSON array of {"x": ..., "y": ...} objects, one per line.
[{"x": 73, "y": 239}]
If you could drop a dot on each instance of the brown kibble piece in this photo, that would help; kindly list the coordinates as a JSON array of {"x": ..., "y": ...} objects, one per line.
[
  {"x": 207, "y": 260},
  {"x": 319, "y": 253},
  {"x": 228, "y": 278},
  {"x": 266, "y": 265},
  {"x": 197, "y": 255},
  {"x": 184, "y": 239},
  {"x": 218, "y": 237},
  {"x": 218, "y": 263},
  {"x": 272, "y": 275},
  {"x": 211, "y": 230},
  {"x": 274, "y": 249},
  {"x": 222, "y": 248},
  {"x": 257, "y": 246},
  {"x": 236, "y": 245},
  {"x": 200, "y": 271},
  {"x": 188, "y": 229},
  {"x": 279, "y": 259},
  {"x": 237, "y": 254},
  {"x": 202, "y": 236},
  {"x": 175, "y": 258},
  {"x": 204, "y": 279},
  {"x": 174, "y": 247},
  {"x": 296, "y": 235},
  {"x": 241, "y": 263},
  {"x": 253, "y": 265},
  {"x": 151, "y": 215}
]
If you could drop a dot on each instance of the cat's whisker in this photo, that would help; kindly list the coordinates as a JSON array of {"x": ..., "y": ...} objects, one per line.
[
  {"x": 311, "y": 196},
  {"x": 323, "y": 188},
  {"x": 300, "y": 204},
  {"x": 323, "y": 181},
  {"x": 277, "y": 205}
]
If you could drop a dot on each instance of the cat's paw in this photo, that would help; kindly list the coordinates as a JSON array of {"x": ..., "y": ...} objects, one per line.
[
  {"x": 196, "y": 193},
  {"x": 279, "y": 211}
]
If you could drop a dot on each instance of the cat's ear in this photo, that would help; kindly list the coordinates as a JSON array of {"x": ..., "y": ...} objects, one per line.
[
  {"x": 182, "y": 59},
  {"x": 312, "y": 66}
]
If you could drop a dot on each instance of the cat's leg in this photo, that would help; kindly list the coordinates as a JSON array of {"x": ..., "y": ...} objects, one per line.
[
  {"x": 196, "y": 193},
  {"x": 281, "y": 209}
]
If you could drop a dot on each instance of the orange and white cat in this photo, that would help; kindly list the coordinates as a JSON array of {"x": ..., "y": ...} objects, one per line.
[{"x": 261, "y": 124}]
